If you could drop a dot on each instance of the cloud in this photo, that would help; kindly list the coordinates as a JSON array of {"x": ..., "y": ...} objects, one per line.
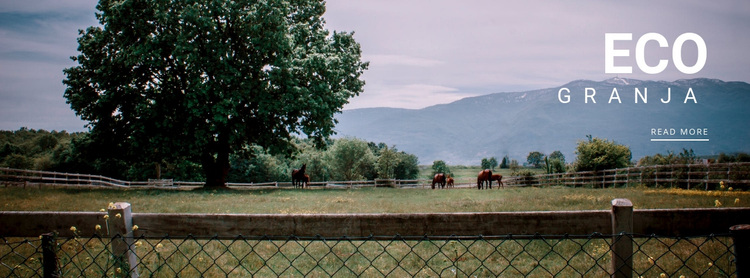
[
  {"x": 400, "y": 60},
  {"x": 411, "y": 96}
]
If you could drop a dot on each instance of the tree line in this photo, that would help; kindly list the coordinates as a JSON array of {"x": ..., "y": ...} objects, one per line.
[{"x": 337, "y": 159}]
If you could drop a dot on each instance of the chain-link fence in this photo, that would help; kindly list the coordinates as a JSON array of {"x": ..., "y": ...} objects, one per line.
[{"x": 373, "y": 256}]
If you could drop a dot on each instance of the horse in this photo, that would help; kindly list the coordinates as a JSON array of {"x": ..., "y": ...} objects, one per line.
[
  {"x": 298, "y": 177},
  {"x": 484, "y": 176},
  {"x": 450, "y": 181},
  {"x": 498, "y": 178},
  {"x": 439, "y": 179}
]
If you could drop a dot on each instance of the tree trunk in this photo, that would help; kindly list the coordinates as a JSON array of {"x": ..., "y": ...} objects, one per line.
[{"x": 216, "y": 165}]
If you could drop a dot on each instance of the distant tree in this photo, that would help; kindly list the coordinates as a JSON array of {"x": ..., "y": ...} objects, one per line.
[
  {"x": 493, "y": 163},
  {"x": 535, "y": 159},
  {"x": 504, "y": 163},
  {"x": 601, "y": 154},
  {"x": 439, "y": 166},
  {"x": 200, "y": 80},
  {"x": 407, "y": 167},
  {"x": 514, "y": 166},
  {"x": 351, "y": 159},
  {"x": 387, "y": 162},
  {"x": 557, "y": 155},
  {"x": 485, "y": 163}
]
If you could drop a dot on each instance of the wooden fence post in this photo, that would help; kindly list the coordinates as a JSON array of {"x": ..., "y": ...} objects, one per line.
[
  {"x": 741, "y": 238},
  {"x": 123, "y": 248},
  {"x": 622, "y": 241},
  {"x": 49, "y": 256}
]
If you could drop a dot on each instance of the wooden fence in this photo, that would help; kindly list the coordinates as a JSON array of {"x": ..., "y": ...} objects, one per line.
[
  {"x": 704, "y": 176},
  {"x": 623, "y": 223}
]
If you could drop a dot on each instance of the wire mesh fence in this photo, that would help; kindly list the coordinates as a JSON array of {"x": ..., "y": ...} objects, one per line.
[{"x": 374, "y": 256}]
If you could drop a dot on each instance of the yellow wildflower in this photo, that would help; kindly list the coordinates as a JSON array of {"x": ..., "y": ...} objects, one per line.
[
  {"x": 73, "y": 228},
  {"x": 682, "y": 276},
  {"x": 710, "y": 264},
  {"x": 159, "y": 246},
  {"x": 135, "y": 227},
  {"x": 651, "y": 260},
  {"x": 111, "y": 206},
  {"x": 663, "y": 275},
  {"x": 138, "y": 243},
  {"x": 98, "y": 227},
  {"x": 102, "y": 210},
  {"x": 118, "y": 215},
  {"x": 717, "y": 203},
  {"x": 106, "y": 216},
  {"x": 119, "y": 270},
  {"x": 736, "y": 201}
]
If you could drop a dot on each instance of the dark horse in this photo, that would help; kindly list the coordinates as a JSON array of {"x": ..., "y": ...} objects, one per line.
[
  {"x": 449, "y": 180},
  {"x": 484, "y": 176},
  {"x": 498, "y": 178},
  {"x": 298, "y": 177},
  {"x": 439, "y": 179}
]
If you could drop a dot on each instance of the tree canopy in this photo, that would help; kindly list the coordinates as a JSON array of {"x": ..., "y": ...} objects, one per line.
[
  {"x": 601, "y": 154},
  {"x": 169, "y": 79}
]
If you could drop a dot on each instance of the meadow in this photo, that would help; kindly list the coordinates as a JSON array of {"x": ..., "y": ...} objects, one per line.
[{"x": 362, "y": 200}]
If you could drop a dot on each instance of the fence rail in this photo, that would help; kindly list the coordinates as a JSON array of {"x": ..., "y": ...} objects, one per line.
[
  {"x": 619, "y": 243},
  {"x": 704, "y": 176}
]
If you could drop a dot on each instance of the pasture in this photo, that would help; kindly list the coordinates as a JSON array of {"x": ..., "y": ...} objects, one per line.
[{"x": 362, "y": 200}]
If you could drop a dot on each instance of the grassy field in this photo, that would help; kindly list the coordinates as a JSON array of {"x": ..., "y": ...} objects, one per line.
[{"x": 364, "y": 200}]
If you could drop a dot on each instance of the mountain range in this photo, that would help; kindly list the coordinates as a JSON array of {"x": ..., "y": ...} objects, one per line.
[{"x": 714, "y": 113}]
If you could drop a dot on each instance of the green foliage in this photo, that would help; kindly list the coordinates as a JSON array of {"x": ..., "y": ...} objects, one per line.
[
  {"x": 535, "y": 159},
  {"x": 387, "y": 161},
  {"x": 505, "y": 162},
  {"x": 439, "y": 166},
  {"x": 685, "y": 157},
  {"x": 601, "y": 154},
  {"x": 33, "y": 149},
  {"x": 514, "y": 166},
  {"x": 557, "y": 155},
  {"x": 493, "y": 163},
  {"x": 170, "y": 80},
  {"x": 351, "y": 159},
  {"x": 407, "y": 167},
  {"x": 485, "y": 163}
]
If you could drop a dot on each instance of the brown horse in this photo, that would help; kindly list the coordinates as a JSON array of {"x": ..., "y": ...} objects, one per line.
[
  {"x": 449, "y": 181},
  {"x": 484, "y": 176},
  {"x": 439, "y": 179},
  {"x": 498, "y": 178},
  {"x": 298, "y": 177}
]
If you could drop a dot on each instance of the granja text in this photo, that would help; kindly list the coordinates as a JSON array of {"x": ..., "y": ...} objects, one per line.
[{"x": 639, "y": 95}]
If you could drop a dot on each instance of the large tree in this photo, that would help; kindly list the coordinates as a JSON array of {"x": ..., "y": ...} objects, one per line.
[{"x": 169, "y": 79}]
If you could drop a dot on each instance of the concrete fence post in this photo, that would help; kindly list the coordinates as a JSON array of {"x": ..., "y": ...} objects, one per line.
[
  {"x": 123, "y": 248},
  {"x": 622, "y": 240},
  {"x": 741, "y": 238}
]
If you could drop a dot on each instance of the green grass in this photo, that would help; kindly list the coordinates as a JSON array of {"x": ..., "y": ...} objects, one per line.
[
  {"x": 415, "y": 257},
  {"x": 364, "y": 200}
]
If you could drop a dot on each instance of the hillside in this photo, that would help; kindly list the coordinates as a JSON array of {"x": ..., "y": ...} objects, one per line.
[{"x": 516, "y": 123}]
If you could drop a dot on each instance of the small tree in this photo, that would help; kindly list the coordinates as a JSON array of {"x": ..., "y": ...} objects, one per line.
[
  {"x": 387, "y": 162},
  {"x": 504, "y": 163},
  {"x": 350, "y": 159},
  {"x": 407, "y": 167},
  {"x": 601, "y": 154},
  {"x": 439, "y": 166},
  {"x": 535, "y": 159},
  {"x": 485, "y": 163},
  {"x": 514, "y": 166},
  {"x": 493, "y": 163}
]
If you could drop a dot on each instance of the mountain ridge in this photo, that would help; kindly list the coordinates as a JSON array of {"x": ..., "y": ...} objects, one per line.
[{"x": 516, "y": 123}]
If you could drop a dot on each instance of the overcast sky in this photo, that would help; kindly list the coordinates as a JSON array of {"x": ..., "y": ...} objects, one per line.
[{"x": 421, "y": 52}]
